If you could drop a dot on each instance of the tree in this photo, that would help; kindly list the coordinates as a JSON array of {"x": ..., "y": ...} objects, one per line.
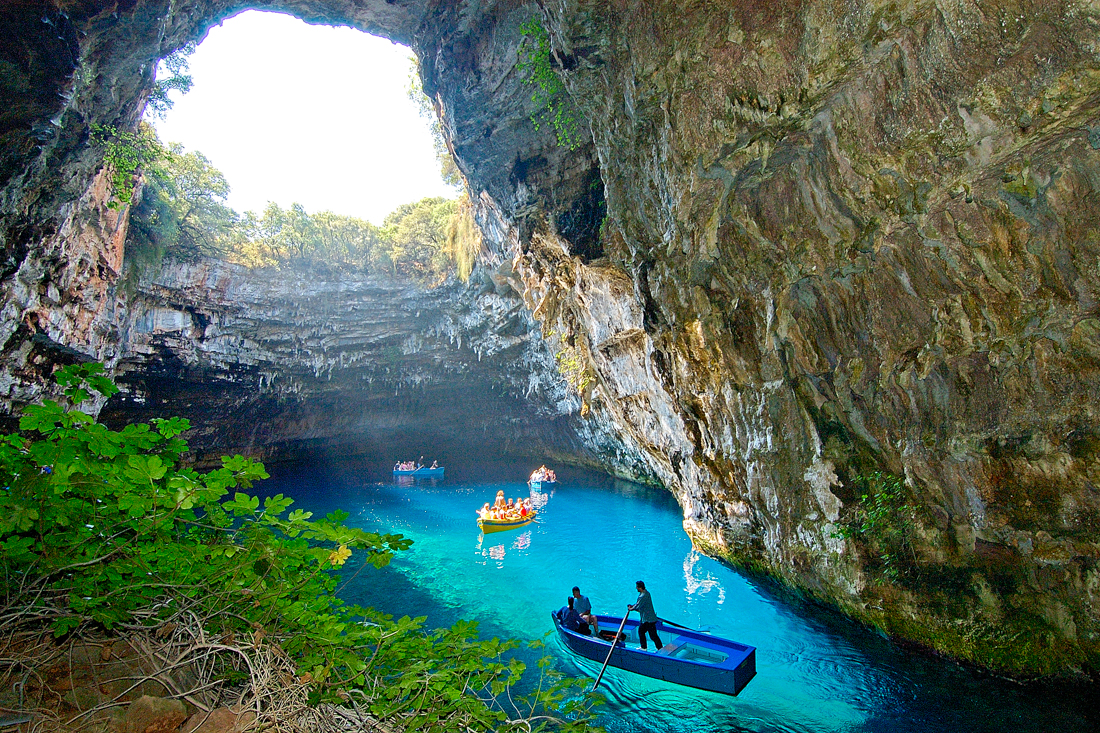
[
  {"x": 417, "y": 235},
  {"x": 176, "y": 79},
  {"x": 182, "y": 211}
]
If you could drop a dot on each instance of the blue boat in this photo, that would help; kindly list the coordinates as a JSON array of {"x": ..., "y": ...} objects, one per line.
[
  {"x": 690, "y": 658},
  {"x": 422, "y": 472}
]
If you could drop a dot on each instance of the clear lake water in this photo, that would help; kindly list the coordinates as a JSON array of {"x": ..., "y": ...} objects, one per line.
[{"x": 816, "y": 671}]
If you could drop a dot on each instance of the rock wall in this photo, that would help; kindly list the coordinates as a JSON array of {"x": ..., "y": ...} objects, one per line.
[
  {"x": 282, "y": 363},
  {"x": 807, "y": 240}
]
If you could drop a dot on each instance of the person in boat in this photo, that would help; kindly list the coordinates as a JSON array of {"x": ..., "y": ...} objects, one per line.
[
  {"x": 500, "y": 502},
  {"x": 644, "y": 607},
  {"x": 484, "y": 513},
  {"x": 584, "y": 608},
  {"x": 571, "y": 620},
  {"x": 435, "y": 464}
]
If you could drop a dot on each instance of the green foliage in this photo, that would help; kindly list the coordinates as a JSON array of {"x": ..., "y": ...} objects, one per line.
[
  {"x": 464, "y": 238},
  {"x": 177, "y": 79},
  {"x": 126, "y": 153},
  {"x": 883, "y": 522},
  {"x": 414, "y": 241},
  {"x": 572, "y": 367},
  {"x": 552, "y": 103},
  {"x": 181, "y": 212},
  {"x": 102, "y": 528},
  {"x": 416, "y": 235}
]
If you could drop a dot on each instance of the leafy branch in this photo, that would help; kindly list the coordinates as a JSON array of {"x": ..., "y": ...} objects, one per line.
[
  {"x": 552, "y": 103},
  {"x": 126, "y": 152},
  {"x": 883, "y": 522},
  {"x": 176, "y": 65}
]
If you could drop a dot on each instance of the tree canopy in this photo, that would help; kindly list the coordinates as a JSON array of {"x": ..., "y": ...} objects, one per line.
[{"x": 182, "y": 213}]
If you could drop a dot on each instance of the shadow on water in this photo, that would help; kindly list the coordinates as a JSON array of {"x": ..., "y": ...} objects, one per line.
[{"x": 817, "y": 670}]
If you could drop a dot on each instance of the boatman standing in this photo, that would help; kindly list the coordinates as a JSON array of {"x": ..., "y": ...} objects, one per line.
[{"x": 644, "y": 607}]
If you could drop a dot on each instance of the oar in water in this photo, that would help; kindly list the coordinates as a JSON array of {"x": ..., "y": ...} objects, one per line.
[
  {"x": 704, "y": 630},
  {"x": 614, "y": 641}
]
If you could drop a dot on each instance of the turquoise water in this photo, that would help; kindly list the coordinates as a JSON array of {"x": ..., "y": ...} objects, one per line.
[{"x": 816, "y": 672}]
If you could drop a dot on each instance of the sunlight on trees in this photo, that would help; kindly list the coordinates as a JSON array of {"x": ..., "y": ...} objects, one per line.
[{"x": 182, "y": 214}]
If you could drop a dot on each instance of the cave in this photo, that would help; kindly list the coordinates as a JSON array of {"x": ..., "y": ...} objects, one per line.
[{"x": 734, "y": 158}]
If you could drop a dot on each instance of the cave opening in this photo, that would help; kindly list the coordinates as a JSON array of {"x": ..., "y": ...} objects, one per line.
[
  {"x": 328, "y": 132},
  {"x": 324, "y": 116}
]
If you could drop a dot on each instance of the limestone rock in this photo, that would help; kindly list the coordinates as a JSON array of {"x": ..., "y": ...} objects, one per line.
[{"x": 800, "y": 240}]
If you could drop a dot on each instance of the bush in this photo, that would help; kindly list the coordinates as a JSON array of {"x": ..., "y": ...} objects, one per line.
[{"x": 107, "y": 530}]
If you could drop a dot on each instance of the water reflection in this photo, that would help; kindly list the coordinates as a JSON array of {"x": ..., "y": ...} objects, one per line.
[
  {"x": 699, "y": 581},
  {"x": 493, "y": 546}
]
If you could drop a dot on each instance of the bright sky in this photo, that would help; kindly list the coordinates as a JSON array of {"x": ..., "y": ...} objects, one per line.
[{"x": 291, "y": 112}]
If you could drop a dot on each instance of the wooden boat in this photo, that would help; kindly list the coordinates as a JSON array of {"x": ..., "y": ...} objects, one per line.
[
  {"x": 422, "y": 472},
  {"x": 689, "y": 658},
  {"x": 536, "y": 485},
  {"x": 501, "y": 525}
]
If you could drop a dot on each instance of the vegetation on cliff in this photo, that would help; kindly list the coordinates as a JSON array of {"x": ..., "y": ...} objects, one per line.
[
  {"x": 553, "y": 104},
  {"x": 107, "y": 533}
]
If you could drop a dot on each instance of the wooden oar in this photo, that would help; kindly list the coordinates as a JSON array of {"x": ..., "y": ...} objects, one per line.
[
  {"x": 614, "y": 641},
  {"x": 681, "y": 626}
]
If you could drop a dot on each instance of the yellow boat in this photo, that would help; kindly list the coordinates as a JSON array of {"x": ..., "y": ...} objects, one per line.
[{"x": 502, "y": 525}]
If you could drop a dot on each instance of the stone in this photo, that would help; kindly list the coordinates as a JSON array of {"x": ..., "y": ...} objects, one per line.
[
  {"x": 152, "y": 715},
  {"x": 221, "y": 720}
]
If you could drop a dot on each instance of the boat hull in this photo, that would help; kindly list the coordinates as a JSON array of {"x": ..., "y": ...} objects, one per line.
[
  {"x": 488, "y": 526},
  {"x": 421, "y": 472},
  {"x": 688, "y": 658}
]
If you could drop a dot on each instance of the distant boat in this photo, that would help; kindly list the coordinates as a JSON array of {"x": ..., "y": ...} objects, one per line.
[
  {"x": 690, "y": 658},
  {"x": 501, "y": 525},
  {"x": 422, "y": 472},
  {"x": 541, "y": 476}
]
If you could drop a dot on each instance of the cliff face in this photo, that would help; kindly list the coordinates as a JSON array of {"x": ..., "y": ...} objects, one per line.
[
  {"x": 806, "y": 241},
  {"x": 279, "y": 363}
]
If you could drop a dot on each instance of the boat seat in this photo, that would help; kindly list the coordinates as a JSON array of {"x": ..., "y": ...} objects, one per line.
[{"x": 670, "y": 647}]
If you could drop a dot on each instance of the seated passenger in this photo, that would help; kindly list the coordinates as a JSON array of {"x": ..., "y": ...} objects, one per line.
[
  {"x": 484, "y": 512},
  {"x": 571, "y": 620},
  {"x": 584, "y": 609}
]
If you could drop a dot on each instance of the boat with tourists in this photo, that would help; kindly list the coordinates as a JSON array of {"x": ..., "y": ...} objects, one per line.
[
  {"x": 541, "y": 475},
  {"x": 487, "y": 525},
  {"x": 505, "y": 514},
  {"x": 418, "y": 470},
  {"x": 692, "y": 658}
]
